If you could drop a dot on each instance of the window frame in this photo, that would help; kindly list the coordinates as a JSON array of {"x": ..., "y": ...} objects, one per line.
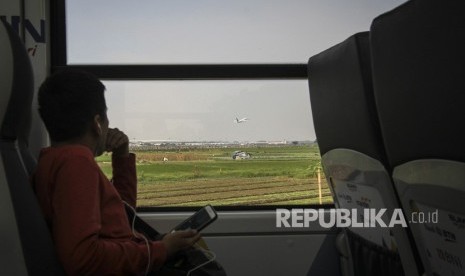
[
  {"x": 274, "y": 71},
  {"x": 164, "y": 71}
]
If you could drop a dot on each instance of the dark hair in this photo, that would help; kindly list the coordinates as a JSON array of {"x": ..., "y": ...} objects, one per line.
[{"x": 68, "y": 102}]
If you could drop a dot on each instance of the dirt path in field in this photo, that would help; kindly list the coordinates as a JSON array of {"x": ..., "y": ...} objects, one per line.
[{"x": 243, "y": 191}]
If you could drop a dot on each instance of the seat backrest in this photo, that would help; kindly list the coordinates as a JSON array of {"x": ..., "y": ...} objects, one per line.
[
  {"x": 353, "y": 156},
  {"x": 30, "y": 250},
  {"x": 11, "y": 257},
  {"x": 419, "y": 82},
  {"x": 16, "y": 124}
]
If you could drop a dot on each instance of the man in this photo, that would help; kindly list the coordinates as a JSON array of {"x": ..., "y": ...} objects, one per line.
[{"x": 84, "y": 210}]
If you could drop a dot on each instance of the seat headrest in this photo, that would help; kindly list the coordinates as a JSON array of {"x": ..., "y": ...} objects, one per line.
[
  {"x": 17, "y": 86},
  {"x": 341, "y": 94},
  {"x": 418, "y": 62},
  {"x": 6, "y": 70}
]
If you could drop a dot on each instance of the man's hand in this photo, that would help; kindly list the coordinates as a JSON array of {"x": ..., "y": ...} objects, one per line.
[
  {"x": 180, "y": 240},
  {"x": 117, "y": 143}
]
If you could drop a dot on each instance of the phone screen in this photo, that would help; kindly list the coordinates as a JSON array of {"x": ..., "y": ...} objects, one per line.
[{"x": 199, "y": 220}]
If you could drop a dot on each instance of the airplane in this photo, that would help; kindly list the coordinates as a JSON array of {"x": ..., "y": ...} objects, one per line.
[{"x": 243, "y": 120}]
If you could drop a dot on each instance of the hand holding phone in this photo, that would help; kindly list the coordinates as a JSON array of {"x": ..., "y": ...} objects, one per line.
[
  {"x": 179, "y": 240},
  {"x": 199, "y": 220}
]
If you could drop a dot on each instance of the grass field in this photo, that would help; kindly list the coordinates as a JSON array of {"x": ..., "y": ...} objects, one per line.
[{"x": 280, "y": 175}]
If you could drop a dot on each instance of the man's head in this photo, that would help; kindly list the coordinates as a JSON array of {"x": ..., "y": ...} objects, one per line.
[{"x": 72, "y": 105}]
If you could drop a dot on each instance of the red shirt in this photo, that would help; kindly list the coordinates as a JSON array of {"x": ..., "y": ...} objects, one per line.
[{"x": 86, "y": 214}]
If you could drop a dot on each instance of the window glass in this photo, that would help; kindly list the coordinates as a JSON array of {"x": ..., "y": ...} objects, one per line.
[
  {"x": 193, "y": 144},
  {"x": 225, "y": 143},
  {"x": 212, "y": 31}
]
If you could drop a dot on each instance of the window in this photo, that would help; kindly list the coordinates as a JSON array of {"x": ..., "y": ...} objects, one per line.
[
  {"x": 211, "y": 31},
  {"x": 192, "y": 151},
  {"x": 179, "y": 73}
]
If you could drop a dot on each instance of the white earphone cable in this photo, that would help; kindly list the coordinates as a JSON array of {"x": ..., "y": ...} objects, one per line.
[
  {"x": 211, "y": 259},
  {"x": 140, "y": 236}
]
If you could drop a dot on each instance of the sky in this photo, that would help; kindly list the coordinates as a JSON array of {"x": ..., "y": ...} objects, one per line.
[{"x": 212, "y": 32}]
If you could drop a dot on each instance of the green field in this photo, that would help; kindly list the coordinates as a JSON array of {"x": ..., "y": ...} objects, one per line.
[{"x": 279, "y": 175}]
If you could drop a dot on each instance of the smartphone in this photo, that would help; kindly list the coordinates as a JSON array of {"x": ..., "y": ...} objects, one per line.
[{"x": 198, "y": 221}]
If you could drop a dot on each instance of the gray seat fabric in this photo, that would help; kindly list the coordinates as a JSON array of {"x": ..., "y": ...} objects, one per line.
[
  {"x": 419, "y": 80},
  {"x": 30, "y": 250},
  {"x": 11, "y": 257},
  {"x": 353, "y": 156}
]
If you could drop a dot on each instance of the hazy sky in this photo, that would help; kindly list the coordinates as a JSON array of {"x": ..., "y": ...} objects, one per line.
[{"x": 212, "y": 31}]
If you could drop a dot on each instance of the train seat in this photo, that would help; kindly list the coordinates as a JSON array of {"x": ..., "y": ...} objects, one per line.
[
  {"x": 353, "y": 157},
  {"x": 419, "y": 83},
  {"x": 27, "y": 247}
]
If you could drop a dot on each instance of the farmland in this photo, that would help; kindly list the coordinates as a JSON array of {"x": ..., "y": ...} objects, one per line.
[{"x": 278, "y": 175}]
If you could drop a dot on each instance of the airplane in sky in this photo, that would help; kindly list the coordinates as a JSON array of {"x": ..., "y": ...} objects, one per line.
[{"x": 241, "y": 120}]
